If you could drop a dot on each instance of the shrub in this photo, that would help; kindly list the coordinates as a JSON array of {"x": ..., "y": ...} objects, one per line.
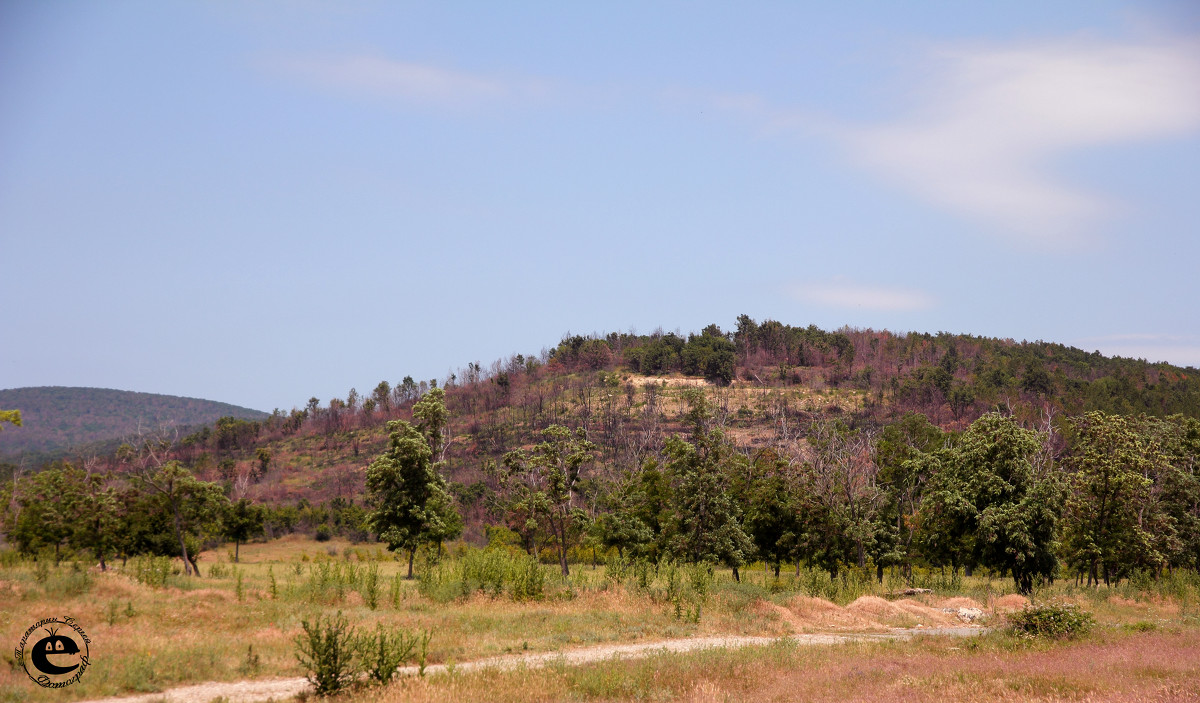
[
  {"x": 326, "y": 651},
  {"x": 492, "y": 571},
  {"x": 527, "y": 579},
  {"x": 1055, "y": 620},
  {"x": 369, "y": 590},
  {"x": 152, "y": 571},
  {"x": 381, "y": 652}
]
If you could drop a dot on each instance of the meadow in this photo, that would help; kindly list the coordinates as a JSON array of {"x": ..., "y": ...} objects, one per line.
[{"x": 153, "y": 628}]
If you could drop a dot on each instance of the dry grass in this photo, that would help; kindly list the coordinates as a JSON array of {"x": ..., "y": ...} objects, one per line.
[
  {"x": 1114, "y": 667},
  {"x": 194, "y": 630}
]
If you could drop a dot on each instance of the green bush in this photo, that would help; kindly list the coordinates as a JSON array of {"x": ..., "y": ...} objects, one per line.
[
  {"x": 326, "y": 651},
  {"x": 485, "y": 570},
  {"x": 151, "y": 571},
  {"x": 1054, "y": 620},
  {"x": 381, "y": 653},
  {"x": 369, "y": 588},
  {"x": 528, "y": 581},
  {"x": 335, "y": 657},
  {"x": 493, "y": 571}
]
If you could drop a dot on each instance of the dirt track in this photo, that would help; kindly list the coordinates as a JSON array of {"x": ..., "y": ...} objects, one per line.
[{"x": 278, "y": 689}]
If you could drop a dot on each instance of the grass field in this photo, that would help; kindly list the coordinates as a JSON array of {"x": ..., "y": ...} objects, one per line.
[
  {"x": 1117, "y": 664},
  {"x": 234, "y": 624}
]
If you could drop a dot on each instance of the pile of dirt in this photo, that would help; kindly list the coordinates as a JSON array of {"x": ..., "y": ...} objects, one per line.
[
  {"x": 928, "y": 615},
  {"x": 806, "y": 613},
  {"x": 871, "y": 613},
  {"x": 881, "y": 611}
]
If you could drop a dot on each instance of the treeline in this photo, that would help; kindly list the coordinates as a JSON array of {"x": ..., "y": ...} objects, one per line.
[
  {"x": 67, "y": 512},
  {"x": 1095, "y": 497},
  {"x": 939, "y": 374}
]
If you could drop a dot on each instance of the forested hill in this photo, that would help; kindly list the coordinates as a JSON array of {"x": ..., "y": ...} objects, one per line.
[
  {"x": 59, "y": 419},
  {"x": 769, "y": 383},
  {"x": 832, "y": 447}
]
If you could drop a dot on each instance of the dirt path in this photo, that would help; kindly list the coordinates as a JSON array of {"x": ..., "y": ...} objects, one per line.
[{"x": 278, "y": 689}]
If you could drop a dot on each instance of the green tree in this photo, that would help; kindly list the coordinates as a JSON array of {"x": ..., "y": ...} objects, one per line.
[
  {"x": 706, "y": 520},
  {"x": 101, "y": 531},
  {"x": 1177, "y": 489},
  {"x": 264, "y": 460},
  {"x": 903, "y": 475},
  {"x": 1109, "y": 470},
  {"x": 46, "y": 509},
  {"x": 242, "y": 521},
  {"x": 433, "y": 419},
  {"x": 988, "y": 498},
  {"x": 193, "y": 505},
  {"x": 771, "y": 516},
  {"x": 12, "y": 417},
  {"x": 621, "y": 525},
  {"x": 409, "y": 498},
  {"x": 383, "y": 396},
  {"x": 542, "y": 484}
]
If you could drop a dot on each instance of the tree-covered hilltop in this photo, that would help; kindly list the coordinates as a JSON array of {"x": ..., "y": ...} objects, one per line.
[{"x": 58, "y": 419}]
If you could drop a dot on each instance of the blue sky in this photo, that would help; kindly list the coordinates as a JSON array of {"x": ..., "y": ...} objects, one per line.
[{"x": 261, "y": 202}]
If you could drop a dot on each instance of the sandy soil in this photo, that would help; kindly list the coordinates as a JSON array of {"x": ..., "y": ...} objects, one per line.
[{"x": 268, "y": 689}]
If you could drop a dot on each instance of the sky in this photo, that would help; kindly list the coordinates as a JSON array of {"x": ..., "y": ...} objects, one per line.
[{"x": 261, "y": 202}]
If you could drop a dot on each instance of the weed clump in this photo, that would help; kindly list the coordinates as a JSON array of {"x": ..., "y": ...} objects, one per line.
[
  {"x": 336, "y": 657},
  {"x": 326, "y": 651},
  {"x": 1051, "y": 620},
  {"x": 381, "y": 653},
  {"x": 493, "y": 571},
  {"x": 151, "y": 571}
]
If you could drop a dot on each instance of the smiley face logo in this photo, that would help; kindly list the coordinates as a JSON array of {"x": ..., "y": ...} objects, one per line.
[
  {"x": 55, "y": 645},
  {"x": 57, "y": 659}
]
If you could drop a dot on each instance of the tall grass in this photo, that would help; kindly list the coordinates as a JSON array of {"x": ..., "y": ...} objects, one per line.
[{"x": 495, "y": 571}]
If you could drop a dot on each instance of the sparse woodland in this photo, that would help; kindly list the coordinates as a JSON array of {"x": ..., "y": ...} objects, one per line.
[{"x": 793, "y": 447}]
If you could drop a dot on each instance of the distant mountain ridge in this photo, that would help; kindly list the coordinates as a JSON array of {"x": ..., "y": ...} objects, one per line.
[{"x": 57, "y": 420}]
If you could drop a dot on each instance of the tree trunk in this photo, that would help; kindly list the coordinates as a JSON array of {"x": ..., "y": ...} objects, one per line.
[
  {"x": 187, "y": 568},
  {"x": 562, "y": 550},
  {"x": 237, "y": 546},
  {"x": 411, "y": 553}
]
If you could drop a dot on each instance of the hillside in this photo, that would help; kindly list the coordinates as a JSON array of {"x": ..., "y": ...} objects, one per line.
[
  {"x": 768, "y": 382},
  {"x": 59, "y": 419},
  {"x": 795, "y": 444}
]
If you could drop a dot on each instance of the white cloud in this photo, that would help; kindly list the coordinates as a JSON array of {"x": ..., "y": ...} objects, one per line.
[
  {"x": 402, "y": 80},
  {"x": 984, "y": 135},
  {"x": 844, "y": 294}
]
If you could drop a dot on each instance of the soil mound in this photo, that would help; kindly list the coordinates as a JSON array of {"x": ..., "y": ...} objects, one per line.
[
  {"x": 927, "y": 615},
  {"x": 883, "y": 611},
  {"x": 817, "y": 614}
]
